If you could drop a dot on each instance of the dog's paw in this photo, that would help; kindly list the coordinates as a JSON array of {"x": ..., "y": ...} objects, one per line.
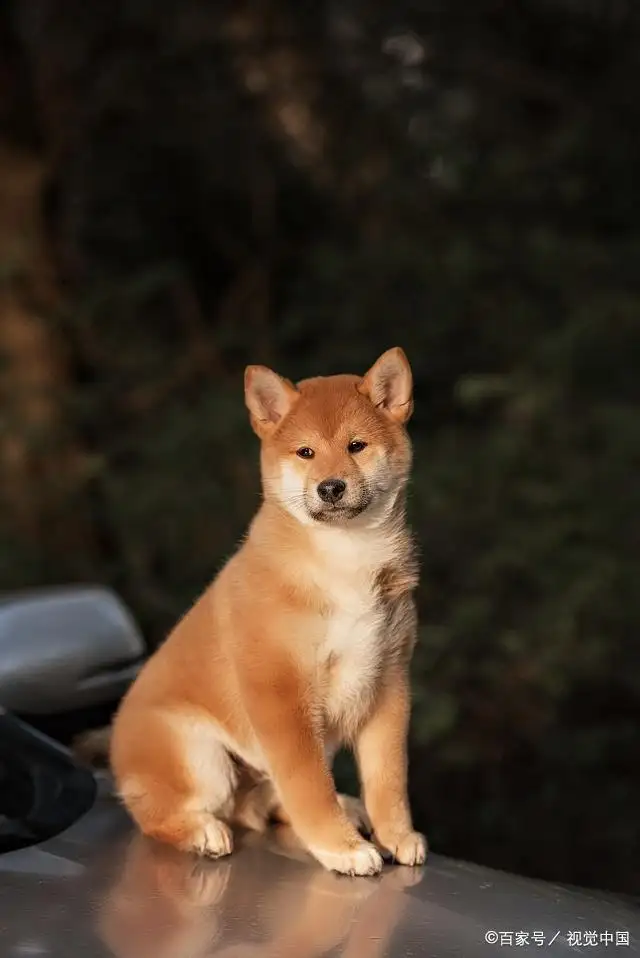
[
  {"x": 362, "y": 859},
  {"x": 356, "y": 813},
  {"x": 211, "y": 839},
  {"x": 410, "y": 849}
]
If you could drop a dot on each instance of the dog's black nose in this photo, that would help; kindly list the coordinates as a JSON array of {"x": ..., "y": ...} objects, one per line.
[{"x": 331, "y": 490}]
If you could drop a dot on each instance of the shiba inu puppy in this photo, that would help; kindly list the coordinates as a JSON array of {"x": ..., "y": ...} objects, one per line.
[{"x": 300, "y": 645}]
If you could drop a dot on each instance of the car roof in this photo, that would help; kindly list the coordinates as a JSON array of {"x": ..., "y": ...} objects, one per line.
[{"x": 102, "y": 889}]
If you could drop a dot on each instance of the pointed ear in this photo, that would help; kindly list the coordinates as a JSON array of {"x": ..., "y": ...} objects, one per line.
[
  {"x": 268, "y": 396},
  {"x": 389, "y": 385}
]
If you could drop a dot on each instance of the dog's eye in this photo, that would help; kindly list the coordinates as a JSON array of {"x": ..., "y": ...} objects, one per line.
[
  {"x": 305, "y": 453},
  {"x": 356, "y": 445}
]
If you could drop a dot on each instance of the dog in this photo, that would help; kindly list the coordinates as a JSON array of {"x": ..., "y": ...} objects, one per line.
[{"x": 301, "y": 645}]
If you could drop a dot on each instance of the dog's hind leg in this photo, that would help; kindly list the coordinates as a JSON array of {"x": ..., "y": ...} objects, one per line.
[
  {"x": 176, "y": 778},
  {"x": 254, "y": 805}
]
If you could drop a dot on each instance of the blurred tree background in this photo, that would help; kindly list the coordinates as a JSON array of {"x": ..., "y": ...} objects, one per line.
[{"x": 186, "y": 187}]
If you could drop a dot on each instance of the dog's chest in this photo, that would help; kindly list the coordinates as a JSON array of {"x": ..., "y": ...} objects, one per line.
[{"x": 352, "y": 653}]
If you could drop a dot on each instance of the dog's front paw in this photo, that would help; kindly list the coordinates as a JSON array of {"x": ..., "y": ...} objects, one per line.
[
  {"x": 410, "y": 849},
  {"x": 363, "y": 859}
]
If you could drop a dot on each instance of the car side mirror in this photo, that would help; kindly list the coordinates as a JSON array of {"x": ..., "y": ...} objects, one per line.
[{"x": 66, "y": 648}]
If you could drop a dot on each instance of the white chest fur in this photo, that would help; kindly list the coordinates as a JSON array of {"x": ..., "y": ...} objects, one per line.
[
  {"x": 351, "y": 656},
  {"x": 352, "y": 649}
]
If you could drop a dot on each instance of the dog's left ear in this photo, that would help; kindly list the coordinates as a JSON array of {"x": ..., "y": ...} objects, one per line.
[{"x": 389, "y": 385}]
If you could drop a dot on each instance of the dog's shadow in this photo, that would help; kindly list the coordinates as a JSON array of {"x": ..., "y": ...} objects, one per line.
[{"x": 166, "y": 904}]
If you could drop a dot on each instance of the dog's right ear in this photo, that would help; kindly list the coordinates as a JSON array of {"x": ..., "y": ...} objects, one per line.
[{"x": 268, "y": 396}]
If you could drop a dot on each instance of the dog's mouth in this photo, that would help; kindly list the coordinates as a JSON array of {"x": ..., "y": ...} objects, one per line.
[{"x": 338, "y": 512}]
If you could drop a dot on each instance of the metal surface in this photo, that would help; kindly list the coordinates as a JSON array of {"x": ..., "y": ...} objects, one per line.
[
  {"x": 100, "y": 889},
  {"x": 66, "y": 648}
]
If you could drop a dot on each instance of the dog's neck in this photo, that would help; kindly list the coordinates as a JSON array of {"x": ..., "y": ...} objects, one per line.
[{"x": 373, "y": 540}]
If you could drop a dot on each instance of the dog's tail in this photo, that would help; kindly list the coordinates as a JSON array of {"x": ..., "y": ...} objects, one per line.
[{"x": 92, "y": 747}]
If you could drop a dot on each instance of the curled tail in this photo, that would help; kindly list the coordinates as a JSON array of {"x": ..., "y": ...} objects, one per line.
[{"x": 92, "y": 747}]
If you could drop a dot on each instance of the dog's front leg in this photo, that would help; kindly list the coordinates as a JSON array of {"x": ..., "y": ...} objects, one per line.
[
  {"x": 281, "y": 711},
  {"x": 381, "y": 751}
]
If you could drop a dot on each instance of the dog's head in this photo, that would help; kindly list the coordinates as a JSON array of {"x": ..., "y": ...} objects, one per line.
[{"x": 335, "y": 448}]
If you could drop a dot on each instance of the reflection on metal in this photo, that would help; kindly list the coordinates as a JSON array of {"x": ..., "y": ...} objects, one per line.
[
  {"x": 164, "y": 904},
  {"x": 138, "y": 899}
]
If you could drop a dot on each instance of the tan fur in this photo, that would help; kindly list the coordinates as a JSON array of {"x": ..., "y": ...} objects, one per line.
[{"x": 301, "y": 644}]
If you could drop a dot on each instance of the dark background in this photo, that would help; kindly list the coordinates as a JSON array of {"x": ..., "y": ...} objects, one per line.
[{"x": 186, "y": 187}]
